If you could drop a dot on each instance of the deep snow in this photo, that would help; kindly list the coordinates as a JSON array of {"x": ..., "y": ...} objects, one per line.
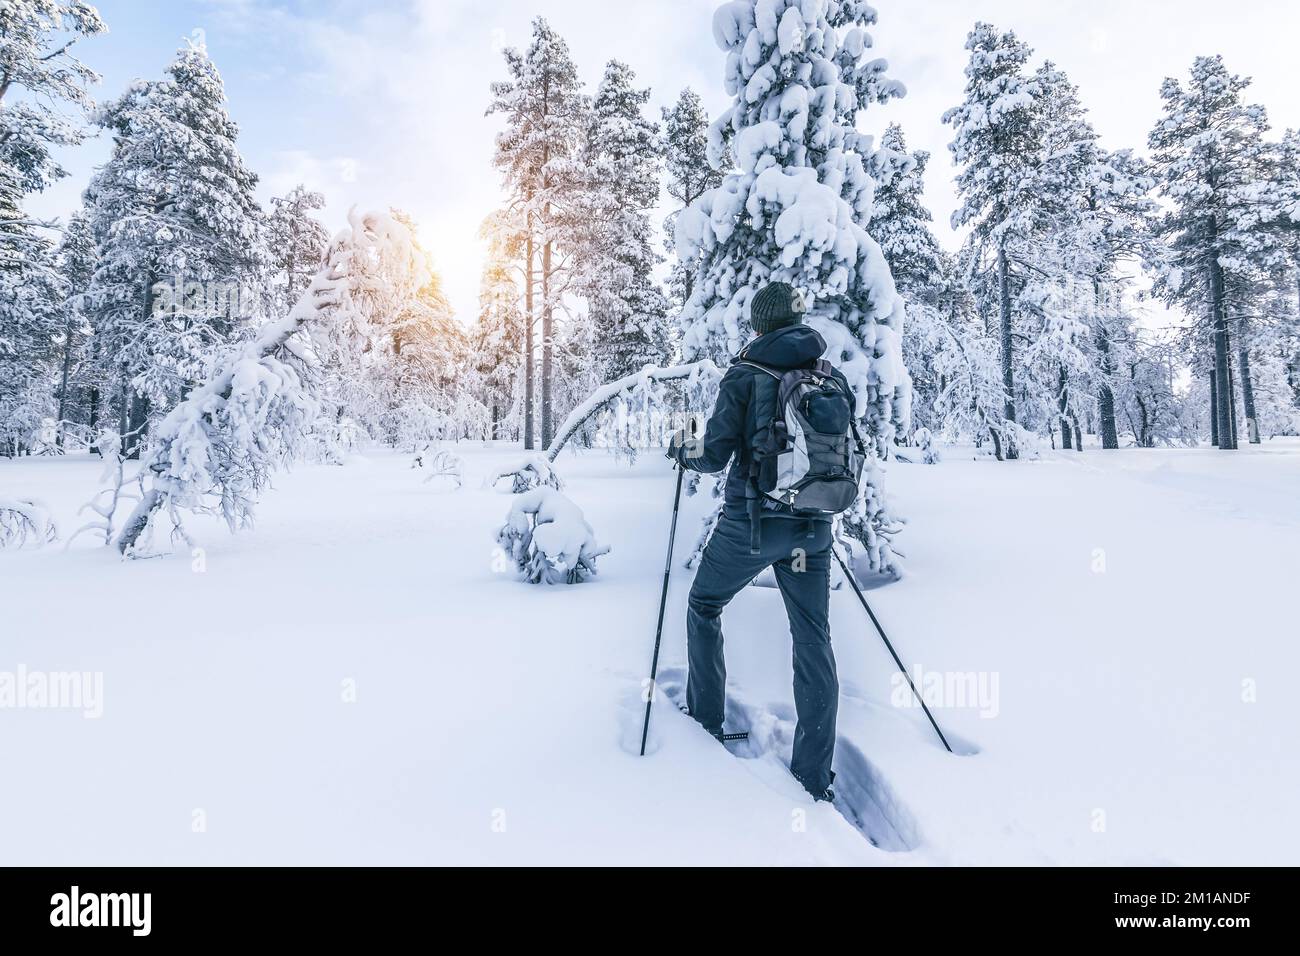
[{"x": 1119, "y": 601}]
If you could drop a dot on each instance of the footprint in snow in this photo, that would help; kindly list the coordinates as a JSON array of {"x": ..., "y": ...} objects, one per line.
[{"x": 862, "y": 795}]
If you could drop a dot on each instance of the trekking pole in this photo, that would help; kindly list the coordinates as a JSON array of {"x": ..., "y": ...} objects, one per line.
[
  {"x": 663, "y": 602},
  {"x": 892, "y": 653}
]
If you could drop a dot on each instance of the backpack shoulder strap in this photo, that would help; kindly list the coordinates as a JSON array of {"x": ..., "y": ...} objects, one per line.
[{"x": 758, "y": 365}]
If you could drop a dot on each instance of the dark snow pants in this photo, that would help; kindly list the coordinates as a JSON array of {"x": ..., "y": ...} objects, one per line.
[{"x": 802, "y": 567}]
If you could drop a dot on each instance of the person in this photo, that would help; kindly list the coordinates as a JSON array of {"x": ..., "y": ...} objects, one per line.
[{"x": 796, "y": 547}]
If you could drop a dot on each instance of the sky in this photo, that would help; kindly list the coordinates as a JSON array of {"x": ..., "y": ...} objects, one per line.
[{"x": 382, "y": 103}]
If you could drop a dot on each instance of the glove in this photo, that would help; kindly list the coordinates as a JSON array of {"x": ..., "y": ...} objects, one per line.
[{"x": 675, "y": 445}]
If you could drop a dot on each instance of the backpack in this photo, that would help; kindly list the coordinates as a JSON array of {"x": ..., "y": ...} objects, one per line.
[{"x": 809, "y": 458}]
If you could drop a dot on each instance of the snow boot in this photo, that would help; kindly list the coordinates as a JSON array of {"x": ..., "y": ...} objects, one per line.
[{"x": 827, "y": 795}]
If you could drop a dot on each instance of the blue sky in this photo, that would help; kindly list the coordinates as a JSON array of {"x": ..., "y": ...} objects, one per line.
[{"x": 382, "y": 103}]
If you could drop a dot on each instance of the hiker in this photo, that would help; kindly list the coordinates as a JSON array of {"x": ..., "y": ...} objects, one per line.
[{"x": 756, "y": 531}]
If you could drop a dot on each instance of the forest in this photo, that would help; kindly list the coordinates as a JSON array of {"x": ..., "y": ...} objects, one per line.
[{"x": 1078, "y": 402}]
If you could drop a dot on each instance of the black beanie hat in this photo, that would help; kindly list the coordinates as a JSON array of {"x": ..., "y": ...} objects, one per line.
[{"x": 775, "y": 306}]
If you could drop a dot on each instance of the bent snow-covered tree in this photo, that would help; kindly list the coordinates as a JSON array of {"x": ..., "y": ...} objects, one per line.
[
  {"x": 216, "y": 450},
  {"x": 798, "y": 209}
]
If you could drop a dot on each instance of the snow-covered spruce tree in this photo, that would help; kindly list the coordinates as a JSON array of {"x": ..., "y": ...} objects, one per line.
[
  {"x": 216, "y": 450},
  {"x": 179, "y": 233},
  {"x": 689, "y": 176},
  {"x": 901, "y": 225},
  {"x": 621, "y": 165},
  {"x": 1206, "y": 149},
  {"x": 296, "y": 240},
  {"x": 798, "y": 209},
  {"x": 43, "y": 88},
  {"x": 546, "y": 118},
  {"x": 996, "y": 150}
]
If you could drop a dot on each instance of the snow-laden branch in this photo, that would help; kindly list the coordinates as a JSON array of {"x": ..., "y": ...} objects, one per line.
[
  {"x": 215, "y": 450},
  {"x": 603, "y": 396},
  {"x": 24, "y": 518}
]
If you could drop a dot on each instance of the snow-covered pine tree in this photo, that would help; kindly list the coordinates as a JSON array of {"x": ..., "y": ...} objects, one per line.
[
  {"x": 179, "y": 234},
  {"x": 1058, "y": 370},
  {"x": 546, "y": 116},
  {"x": 1117, "y": 231},
  {"x": 498, "y": 341},
  {"x": 426, "y": 354},
  {"x": 995, "y": 145},
  {"x": 689, "y": 176},
  {"x": 798, "y": 208},
  {"x": 296, "y": 240},
  {"x": 43, "y": 88},
  {"x": 621, "y": 166},
  {"x": 1206, "y": 149},
  {"x": 956, "y": 383},
  {"x": 30, "y": 323},
  {"x": 76, "y": 258},
  {"x": 1286, "y": 202}
]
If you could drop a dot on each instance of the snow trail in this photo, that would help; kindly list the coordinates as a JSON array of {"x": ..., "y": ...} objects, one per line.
[{"x": 862, "y": 795}]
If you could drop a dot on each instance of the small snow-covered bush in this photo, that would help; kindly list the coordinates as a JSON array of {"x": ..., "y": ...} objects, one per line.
[
  {"x": 535, "y": 471},
  {"x": 926, "y": 447},
  {"x": 548, "y": 539},
  {"x": 22, "y": 519},
  {"x": 441, "y": 464}
]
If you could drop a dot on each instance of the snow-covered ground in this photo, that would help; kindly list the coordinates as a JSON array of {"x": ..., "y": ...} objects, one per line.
[{"x": 353, "y": 681}]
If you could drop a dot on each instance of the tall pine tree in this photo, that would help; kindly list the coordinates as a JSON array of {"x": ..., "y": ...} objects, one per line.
[
  {"x": 1206, "y": 151},
  {"x": 546, "y": 115},
  {"x": 996, "y": 148}
]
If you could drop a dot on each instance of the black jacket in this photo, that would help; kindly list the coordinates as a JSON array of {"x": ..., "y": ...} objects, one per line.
[{"x": 746, "y": 404}]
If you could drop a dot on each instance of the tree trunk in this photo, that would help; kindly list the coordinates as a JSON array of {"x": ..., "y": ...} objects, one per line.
[
  {"x": 548, "y": 341},
  {"x": 63, "y": 381},
  {"x": 1248, "y": 395},
  {"x": 123, "y": 411},
  {"x": 1219, "y": 315},
  {"x": 1105, "y": 394},
  {"x": 1232, "y": 394},
  {"x": 1063, "y": 405},
  {"x": 1214, "y": 409},
  {"x": 137, "y": 424},
  {"x": 1008, "y": 375},
  {"x": 528, "y": 341},
  {"x": 94, "y": 420}
]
